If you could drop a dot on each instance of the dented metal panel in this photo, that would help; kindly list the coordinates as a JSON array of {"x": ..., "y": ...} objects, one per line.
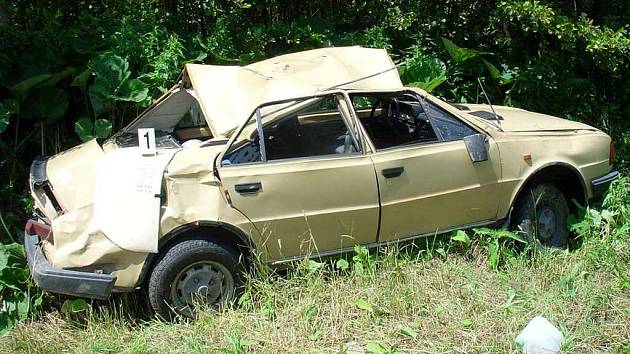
[
  {"x": 72, "y": 174},
  {"x": 166, "y": 113},
  {"x": 229, "y": 94},
  {"x": 128, "y": 197}
]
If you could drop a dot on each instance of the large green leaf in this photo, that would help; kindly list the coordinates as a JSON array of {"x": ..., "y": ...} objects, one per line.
[
  {"x": 16, "y": 308},
  {"x": 55, "y": 78},
  {"x": 46, "y": 102},
  {"x": 200, "y": 58},
  {"x": 461, "y": 236},
  {"x": 21, "y": 88},
  {"x": 81, "y": 80},
  {"x": 102, "y": 128},
  {"x": 84, "y": 129},
  {"x": 111, "y": 73},
  {"x": 15, "y": 250},
  {"x": 133, "y": 91},
  {"x": 73, "y": 306},
  {"x": 364, "y": 305},
  {"x": 14, "y": 275},
  {"x": 23, "y": 303},
  {"x": 342, "y": 264},
  {"x": 492, "y": 69},
  {"x": 15, "y": 287},
  {"x": 494, "y": 254},
  {"x": 112, "y": 84},
  {"x": 424, "y": 72},
  {"x": 100, "y": 103},
  {"x": 460, "y": 54}
]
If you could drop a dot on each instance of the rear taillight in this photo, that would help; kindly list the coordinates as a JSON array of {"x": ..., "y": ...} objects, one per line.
[
  {"x": 611, "y": 157},
  {"x": 36, "y": 228}
]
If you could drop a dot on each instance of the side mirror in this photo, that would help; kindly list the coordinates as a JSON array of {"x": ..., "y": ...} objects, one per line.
[{"x": 477, "y": 147}]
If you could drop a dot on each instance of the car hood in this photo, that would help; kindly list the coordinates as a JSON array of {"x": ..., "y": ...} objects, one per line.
[
  {"x": 66, "y": 181},
  {"x": 87, "y": 191},
  {"x": 520, "y": 120}
]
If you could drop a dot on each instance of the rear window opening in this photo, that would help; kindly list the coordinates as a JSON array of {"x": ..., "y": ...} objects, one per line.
[{"x": 177, "y": 119}]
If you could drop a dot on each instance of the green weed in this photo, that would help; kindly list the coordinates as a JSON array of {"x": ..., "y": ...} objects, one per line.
[{"x": 19, "y": 297}]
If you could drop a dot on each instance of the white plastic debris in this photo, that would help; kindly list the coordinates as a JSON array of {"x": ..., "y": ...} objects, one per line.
[{"x": 539, "y": 337}]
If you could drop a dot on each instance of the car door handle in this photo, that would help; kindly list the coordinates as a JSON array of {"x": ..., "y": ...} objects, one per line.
[
  {"x": 393, "y": 172},
  {"x": 248, "y": 188}
]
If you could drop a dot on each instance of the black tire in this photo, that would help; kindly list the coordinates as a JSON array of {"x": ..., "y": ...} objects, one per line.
[
  {"x": 191, "y": 260},
  {"x": 541, "y": 213}
]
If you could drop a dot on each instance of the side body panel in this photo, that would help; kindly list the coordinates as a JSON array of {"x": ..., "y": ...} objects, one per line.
[
  {"x": 193, "y": 195},
  {"x": 586, "y": 152},
  {"x": 308, "y": 206},
  {"x": 439, "y": 188}
]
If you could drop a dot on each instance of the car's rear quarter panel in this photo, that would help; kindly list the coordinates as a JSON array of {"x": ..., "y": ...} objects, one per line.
[{"x": 587, "y": 152}]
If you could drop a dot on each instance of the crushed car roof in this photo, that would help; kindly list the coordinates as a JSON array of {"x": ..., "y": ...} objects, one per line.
[{"x": 229, "y": 94}]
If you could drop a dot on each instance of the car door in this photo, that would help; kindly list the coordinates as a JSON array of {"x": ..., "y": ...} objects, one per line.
[
  {"x": 427, "y": 180},
  {"x": 305, "y": 182}
]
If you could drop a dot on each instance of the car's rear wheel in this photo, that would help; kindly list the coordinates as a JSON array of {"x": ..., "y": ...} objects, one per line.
[
  {"x": 191, "y": 274},
  {"x": 541, "y": 214}
]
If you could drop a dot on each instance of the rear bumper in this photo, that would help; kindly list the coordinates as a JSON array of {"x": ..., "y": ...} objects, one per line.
[
  {"x": 600, "y": 185},
  {"x": 61, "y": 281}
]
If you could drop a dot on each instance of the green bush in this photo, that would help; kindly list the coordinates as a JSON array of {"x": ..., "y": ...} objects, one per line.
[{"x": 19, "y": 298}]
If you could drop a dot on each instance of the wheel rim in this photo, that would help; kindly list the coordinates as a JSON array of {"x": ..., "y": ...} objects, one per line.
[
  {"x": 546, "y": 223},
  {"x": 202, "y": 283}
]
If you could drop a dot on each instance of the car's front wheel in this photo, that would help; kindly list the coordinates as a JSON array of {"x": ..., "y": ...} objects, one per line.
[
  {"x": 194, "y": 273},
  {"x": 541, "y": 213}
]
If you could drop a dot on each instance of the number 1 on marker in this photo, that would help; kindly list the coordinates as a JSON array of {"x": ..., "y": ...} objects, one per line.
[
  {"x": 146, "y": 141},
  {"x": 146, "y": 135}
]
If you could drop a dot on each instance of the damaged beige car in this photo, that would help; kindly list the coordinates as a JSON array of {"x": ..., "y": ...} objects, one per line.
[{"x": 303, "y": 155}]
